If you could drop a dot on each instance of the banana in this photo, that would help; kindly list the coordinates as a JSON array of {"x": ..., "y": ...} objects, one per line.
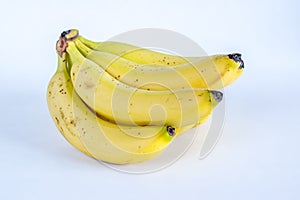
[
  {"x": 210, "y": 72},
  {"x": 60, "y": 107},
  {"x": 144, "y": 56},
  {"x": 137, "y": 54},
  {"x": 123, "y": 104},
  {"x": 111, "y": 102},
  {"x": 96, "y": 137}
]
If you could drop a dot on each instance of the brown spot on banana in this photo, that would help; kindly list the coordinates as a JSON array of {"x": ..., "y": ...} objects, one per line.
[
  {"x": 73, "y": 123},
  {"x": 57, "y": 120},
  {"x": 61, "y": 113}
]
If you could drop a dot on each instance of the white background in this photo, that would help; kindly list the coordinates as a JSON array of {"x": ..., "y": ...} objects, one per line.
[{"x": 256, "y": 158}]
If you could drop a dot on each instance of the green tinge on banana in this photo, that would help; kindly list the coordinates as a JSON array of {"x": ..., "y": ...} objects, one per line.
[
  {"x": 124, "y": 104},
  {"x": 96, "y": 137}
]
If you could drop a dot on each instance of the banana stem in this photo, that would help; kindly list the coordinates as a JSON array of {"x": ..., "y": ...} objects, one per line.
[
  {"x": 74, "y": 54},
  {"x": 61, "y": 66},
  {"x": 61, "y": 44},
  {"x": 89, "y": 43},
  {"x": 85, "y": 50}
]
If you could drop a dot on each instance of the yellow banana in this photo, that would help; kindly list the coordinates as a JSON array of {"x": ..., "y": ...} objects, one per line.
[
  {"x": 96, "y": 137},
  {"x": 144, "y": 56},
  {"x": 110, "y": 142},
  {"x": 210, "y": 72},
  {"x": 124, "y": 104},
  {"x": 137, "y": 54},
  {"x": 60, "y": 107}
]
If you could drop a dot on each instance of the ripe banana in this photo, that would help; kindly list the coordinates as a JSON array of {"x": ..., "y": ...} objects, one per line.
[
  {"x": 60, "y": 107},
  {"x": 96, "y": 137},
  {"x": 109, "y": 104},
  {"x": 210, "y": 72},
  {"x": 123, "y": 104},
  {"x": 137, "y": 54}
]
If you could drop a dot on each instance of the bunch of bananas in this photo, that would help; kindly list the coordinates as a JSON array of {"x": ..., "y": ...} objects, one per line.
[{"x": 123, "y": 104}]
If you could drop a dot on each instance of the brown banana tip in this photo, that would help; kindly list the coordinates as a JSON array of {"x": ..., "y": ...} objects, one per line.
[
  {"x": 171, "y": 130},
  {"x": 237, "y": 57},
  {"x": 71, "y": 34},
  {"x": 218, "y": 96},
  {"x": 64, "y": 33}
]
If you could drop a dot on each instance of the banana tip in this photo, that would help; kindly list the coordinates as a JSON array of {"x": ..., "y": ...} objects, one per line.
[
  {"x": 218, "y": 96},
  {"x": 70, "y": 34},
  {"x": 171, "y": 130},
  {"x": 237, "y": 57}
]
